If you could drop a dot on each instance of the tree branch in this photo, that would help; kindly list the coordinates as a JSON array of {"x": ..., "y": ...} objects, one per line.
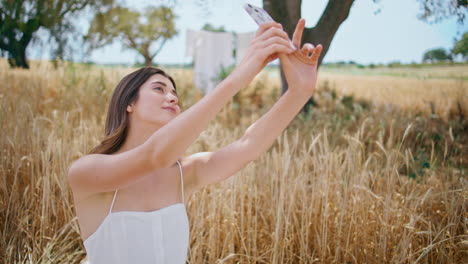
[
  {"x": 72, "y": 9},
  {"x": 18, "y": 9},
  {"x": 159, "y": 49},
  {"x": 3, "y": 45},
  {"x": 130, "y": 42},
  {"x": 332, "y": 17}
]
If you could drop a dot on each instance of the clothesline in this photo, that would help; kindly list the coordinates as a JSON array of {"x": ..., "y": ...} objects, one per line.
[{"x": 213, "y": 51}]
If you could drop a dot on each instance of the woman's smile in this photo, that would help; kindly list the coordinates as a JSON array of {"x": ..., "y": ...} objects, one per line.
[{"x": 170, "y": 108}]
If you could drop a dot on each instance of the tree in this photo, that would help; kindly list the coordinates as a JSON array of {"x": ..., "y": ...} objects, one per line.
[
  {"x": 461, "y": 47},
  {"x": 21, "y": 19},
  {"x": 436, "y": 55},
  {"x": 209, "y": 27},
  {"x": 137, "y": 31},
  {"x": 434, "y": 11},
  {"x": 288, "y": 14}
]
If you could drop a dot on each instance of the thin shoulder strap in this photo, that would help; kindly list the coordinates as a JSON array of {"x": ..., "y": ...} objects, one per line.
[
  {"x": 113, "y": 200},
  {"x": 181, "y": 181}
]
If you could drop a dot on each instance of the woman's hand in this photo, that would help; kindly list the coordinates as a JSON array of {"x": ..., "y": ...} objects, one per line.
[
  {"x": 300, "y": 67},
  {"x": 270, "y": 40}
]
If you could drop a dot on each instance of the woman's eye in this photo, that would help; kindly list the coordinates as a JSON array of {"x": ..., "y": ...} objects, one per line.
[{"x": 158, "y": 88}]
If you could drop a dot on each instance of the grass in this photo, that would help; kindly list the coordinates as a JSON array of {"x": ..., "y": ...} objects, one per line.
[
  {"x": 374, "y": 174},
  {"x": 421, "y": 72}
]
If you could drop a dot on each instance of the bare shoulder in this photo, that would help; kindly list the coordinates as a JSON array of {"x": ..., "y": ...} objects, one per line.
[
  {"x": 79, "y": 168},
  {"x": 97, "y": 173},
  {"x": 83, "y": 160}
]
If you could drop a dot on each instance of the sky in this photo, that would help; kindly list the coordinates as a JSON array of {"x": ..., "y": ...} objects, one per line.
[{"x": 381, "y": 32}]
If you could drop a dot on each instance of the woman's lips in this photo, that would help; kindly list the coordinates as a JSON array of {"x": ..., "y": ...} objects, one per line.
[{"x": 170, "y": 109}]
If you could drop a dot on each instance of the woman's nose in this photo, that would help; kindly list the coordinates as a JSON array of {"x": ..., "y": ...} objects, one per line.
[{"x": 173, "y": 98}]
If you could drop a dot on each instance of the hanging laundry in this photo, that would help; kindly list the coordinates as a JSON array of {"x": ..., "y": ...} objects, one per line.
[
  {"x": 242, "y": 43},
  {"x": 192, "y": 41},
  {"x": 211, "y": 51}
]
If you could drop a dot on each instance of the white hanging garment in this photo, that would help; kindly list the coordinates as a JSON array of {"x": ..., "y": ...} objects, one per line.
[
  {"x": 242, "y": 43},
  {"x": 192, "y": 41},
  {"x": 212, "y": 51}
]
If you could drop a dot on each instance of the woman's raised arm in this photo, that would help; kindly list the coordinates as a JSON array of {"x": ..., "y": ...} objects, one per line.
[
  {"x": 99, "y": 173},
  {"x": 301, "y": 72}
]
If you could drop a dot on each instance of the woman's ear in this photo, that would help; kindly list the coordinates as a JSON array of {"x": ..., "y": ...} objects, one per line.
[{"x": 130, "y": 108}]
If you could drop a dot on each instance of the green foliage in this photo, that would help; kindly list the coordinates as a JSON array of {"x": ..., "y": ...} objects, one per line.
[
  {"x": 461, "y": 47},
  {"x": 224, "y": 73},
  {"x": 21, "y": 19},
  {"x": 434, "y": 11},
  {"x": 436, "y": 55},
  {"x": 209, "y": 27},
  {"x": 420, "y": 164},
  {"x": 136, "y": 31},
  {"x": 394, "y": 64}
]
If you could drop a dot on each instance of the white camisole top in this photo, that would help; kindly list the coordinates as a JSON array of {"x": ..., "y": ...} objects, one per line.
[{"x": 129, "y": 237}]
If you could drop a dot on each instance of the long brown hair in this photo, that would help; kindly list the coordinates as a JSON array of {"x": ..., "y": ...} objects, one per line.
[{"x": 124, "y": 94}]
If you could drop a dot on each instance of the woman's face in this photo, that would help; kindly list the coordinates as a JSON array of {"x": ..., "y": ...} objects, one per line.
[{"x": 156, "y": 94}]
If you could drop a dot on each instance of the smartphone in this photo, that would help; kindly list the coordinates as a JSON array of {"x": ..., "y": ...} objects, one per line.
[{"x": 261, "y": 16}]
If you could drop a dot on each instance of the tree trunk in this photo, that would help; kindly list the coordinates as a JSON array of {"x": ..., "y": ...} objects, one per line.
[
  {"x": 15, "y": 36},
  {"x": 288, "y": 14},
  {"x": 17, "y": 56},
  {"x": 148, "y": 61}
]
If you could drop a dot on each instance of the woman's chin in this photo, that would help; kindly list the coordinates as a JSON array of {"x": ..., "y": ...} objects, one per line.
[{"x": 164, "y": 121}]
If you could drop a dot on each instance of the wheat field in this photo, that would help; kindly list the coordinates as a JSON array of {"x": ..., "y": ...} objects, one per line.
[{"x": 375, "y": 173}]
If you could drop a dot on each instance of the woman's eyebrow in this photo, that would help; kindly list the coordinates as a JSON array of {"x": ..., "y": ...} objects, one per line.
[{"x": 163, "y": 84}]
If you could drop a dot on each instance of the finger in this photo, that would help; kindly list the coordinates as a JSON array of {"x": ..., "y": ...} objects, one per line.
[
  {"x": 277, "y": 40},
  {"x": 297, "y": 36},
  {"x": 316, "y": 55},
  {"x": 272, "y": 57},
  {"x": 307, "y": 49},
  {"x": 265, "y": 26},
  {"x": 274, "y": 48},
  {"x": 272, "y": 32}
]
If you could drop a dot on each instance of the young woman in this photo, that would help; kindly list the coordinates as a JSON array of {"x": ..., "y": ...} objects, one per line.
[{"x": 146, "y": 134}]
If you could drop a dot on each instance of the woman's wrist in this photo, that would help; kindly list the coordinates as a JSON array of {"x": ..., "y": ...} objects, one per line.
[{"x": 241, "y": 76}]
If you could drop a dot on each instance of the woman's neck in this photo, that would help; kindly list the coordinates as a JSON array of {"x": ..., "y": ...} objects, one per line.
[{"x": 137, "y": 135}]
